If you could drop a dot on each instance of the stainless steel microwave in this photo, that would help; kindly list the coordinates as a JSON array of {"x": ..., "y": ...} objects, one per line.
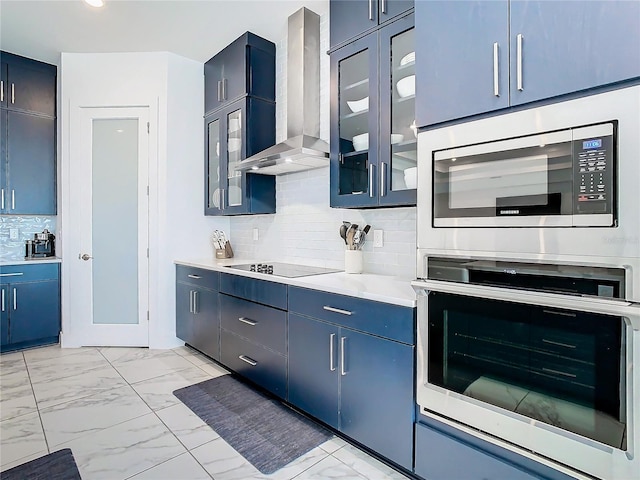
[{"x": 563, "y": 178}]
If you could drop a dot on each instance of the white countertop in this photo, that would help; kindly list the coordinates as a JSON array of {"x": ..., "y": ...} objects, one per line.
[
  {"x": 381, "y": 288},
  {"x": 22, "y": 261}
]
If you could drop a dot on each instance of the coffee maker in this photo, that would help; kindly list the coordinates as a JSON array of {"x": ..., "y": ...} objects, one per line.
[{"x": 42, "y": 245}]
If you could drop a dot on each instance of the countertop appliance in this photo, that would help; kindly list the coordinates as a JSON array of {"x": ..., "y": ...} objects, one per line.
[
  {"x": 288, "y": 270},
  {"x": 528, "y": 323},
  {"x": 42, "y": 245}
]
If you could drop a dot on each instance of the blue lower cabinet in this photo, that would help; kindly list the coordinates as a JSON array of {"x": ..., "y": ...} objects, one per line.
[
  {"x": 30, "y": 306},
  {"x": 197, "y": 310},
  {"x": 313, "y": 368},
  {"x": 444, "y": 453},
  {"x": 358, "y": 383}
]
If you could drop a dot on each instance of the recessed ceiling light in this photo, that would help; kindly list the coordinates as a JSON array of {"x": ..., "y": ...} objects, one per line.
[{"x": 95, "y": 3}]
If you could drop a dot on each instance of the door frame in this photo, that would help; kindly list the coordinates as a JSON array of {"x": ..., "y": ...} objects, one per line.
[{"x": 72, "y": 333}]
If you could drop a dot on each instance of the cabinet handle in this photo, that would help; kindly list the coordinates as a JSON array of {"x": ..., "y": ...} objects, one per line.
[
  {"x": 496, "y": 86},
  {"x": 337, "y": 310},
  {"x": 11, "y": 274},
  {"x": 558, "y": 372},
  {"x": 195, "y": 301},
  {"x": 248, "y": 360},
  {"x": 370, "y": 9},
  {"x": 190, "y": 301},
  {"x": 383, "y": 180},
  {"x": 559, "y": 344},
  {"x": 343, "y": 370},
  {"x": 248, "y": 321},
  {"x": 383, "y": 5},
  {"x": 13, "y": 199},
  {"x": 519, "y": 61},
  {"x": 564, "y": 314},
  {"x": 371, "y": 180},
  {"x": 198, "y": 277},
  {"x": 219, "y": 90},
  {"x": 3, "y": 199},
  {"x": 13, "y": 93},
  {"x": 15, "y": 299},
  {"x": 332, "y": 339},
  {"x": 224, "y": 89},
  {"x": 3, "y": 299},
  {"x": 222, "y": 207},
  {"x": 1, "y": 90}
]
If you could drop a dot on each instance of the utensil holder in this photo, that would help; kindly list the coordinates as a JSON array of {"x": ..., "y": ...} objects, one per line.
[{"x": 353, "y": 261}]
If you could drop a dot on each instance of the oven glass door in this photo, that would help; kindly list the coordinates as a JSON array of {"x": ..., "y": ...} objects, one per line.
[{"x": 556, "y": 366}]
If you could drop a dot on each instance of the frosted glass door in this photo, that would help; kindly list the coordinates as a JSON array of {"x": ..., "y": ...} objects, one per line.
[{"x": 115, "y": 221}]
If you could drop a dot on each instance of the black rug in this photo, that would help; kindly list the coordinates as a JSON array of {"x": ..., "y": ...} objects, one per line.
[
  {"x": 261, "y": 429},
  {"x": 58, "y": 465}
]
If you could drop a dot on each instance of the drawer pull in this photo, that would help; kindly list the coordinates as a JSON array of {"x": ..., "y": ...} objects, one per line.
[
  {"x": 11, "y": 274},
  {"x": 332, "y": 339},
  {"x": 564, "y": 314},
  {"x": 197, "y": 277},
  {"x": 248, "y": 360},
  {"x": 557, "y": 372},
  {"x": 337, "y": 310},
  {"x": 248, "y": 321},
  {"x": 560, "y": 344}
]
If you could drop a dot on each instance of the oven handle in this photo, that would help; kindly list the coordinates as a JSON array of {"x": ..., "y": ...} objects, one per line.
[{"x": 629, "y": 310}]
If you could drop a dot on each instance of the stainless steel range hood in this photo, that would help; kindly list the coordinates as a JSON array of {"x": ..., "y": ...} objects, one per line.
[{"x": 303, "y": 149}]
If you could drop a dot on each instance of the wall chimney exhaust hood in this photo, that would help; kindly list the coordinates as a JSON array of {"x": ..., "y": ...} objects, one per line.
[{"x": 303, "y": 149}]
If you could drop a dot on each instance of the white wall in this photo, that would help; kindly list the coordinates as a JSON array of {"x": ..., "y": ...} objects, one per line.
[
  {"x": 172, "y": 88},
  {"x": 305, "y": 228}
]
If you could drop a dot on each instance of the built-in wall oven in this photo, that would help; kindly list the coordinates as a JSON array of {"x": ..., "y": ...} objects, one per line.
[{"x": 529, "y": 281}]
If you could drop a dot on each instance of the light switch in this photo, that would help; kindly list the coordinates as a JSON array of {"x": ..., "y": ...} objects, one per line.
[
  {"x": 256, "y": 234},
  {"x": 14, "y": 234}
]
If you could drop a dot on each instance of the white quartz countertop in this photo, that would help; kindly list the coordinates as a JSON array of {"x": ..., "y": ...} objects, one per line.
[
  {"x": 31, "y": 261},
  {"x": 381, "y": 288}
]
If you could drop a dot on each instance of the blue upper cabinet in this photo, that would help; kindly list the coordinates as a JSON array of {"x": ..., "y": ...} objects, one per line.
[
  {"x": 480, "y": 56},
  {"x": 350, "y": 19},
  {"x": 27, "y": 85},
  {"x": 245, "y": 67},
  {"x": 27, "y": 137},
  {"x": 571, "y": 46},
  {"x": 240, "y": 121},
  {"x": 233, "y": 133},
  {"x": 373, "y": 141}
]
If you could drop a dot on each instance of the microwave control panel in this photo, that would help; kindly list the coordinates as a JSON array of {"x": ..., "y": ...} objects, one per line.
[{"x": 593, "y": 175}]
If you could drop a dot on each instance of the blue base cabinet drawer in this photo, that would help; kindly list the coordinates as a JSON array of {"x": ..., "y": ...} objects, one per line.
[
  {"x": 258, "y": 323},
  {"x": 260, "y": 365},
  {"x": 30, "y": 310},
  {"x": 383, "y": 319},
  {"x": 260, "y": 291},
  {"x": 198, "y": 276},
  {"x": 442, "y": 453}
]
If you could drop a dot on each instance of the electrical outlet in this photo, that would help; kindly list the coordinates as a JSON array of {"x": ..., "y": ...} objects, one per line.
[
  {"x": 256, "y": 234},
  {"x": 378, "y": 238},
  {"x": 14, "y": 234}
]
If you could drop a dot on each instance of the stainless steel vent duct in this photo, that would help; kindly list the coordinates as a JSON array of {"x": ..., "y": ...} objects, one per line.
[{"x": 303, "y": 149}]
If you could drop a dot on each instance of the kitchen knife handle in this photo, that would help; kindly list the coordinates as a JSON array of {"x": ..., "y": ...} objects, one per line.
[
  {"x": 343, "y": 369},
  {"x": 519, "y": 61},
  {"x": 332, "y": 339},
  {"x": 496, "y": 85},
  {"x": 248, "y": 360}
]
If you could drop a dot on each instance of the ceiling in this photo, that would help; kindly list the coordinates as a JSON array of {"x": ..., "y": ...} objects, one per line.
[{"x": 193, "y": 29}]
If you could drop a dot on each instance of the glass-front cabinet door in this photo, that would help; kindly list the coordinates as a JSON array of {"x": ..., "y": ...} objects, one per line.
[
  {"x": 354, "y": 124},
  {"x": 213, "y": 187},
  {"x": 398, "y": 134},
  {"x": 234, "y": 187}
]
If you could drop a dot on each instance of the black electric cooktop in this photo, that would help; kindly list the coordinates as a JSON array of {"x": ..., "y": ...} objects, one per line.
[{"x": 289, "y": 270}]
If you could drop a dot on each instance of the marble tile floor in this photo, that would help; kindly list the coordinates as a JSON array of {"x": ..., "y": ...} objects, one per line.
[{"x": 115, "y": 409}]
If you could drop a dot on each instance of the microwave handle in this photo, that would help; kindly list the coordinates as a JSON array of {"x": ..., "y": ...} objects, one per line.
[{"x": 629, "y": 310}]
